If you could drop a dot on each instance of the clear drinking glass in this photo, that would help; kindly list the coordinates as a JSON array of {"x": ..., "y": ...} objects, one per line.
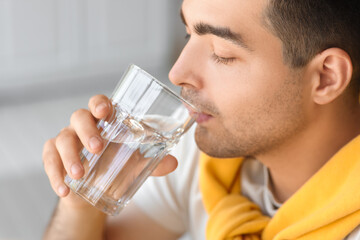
[{"x": 147, "y": 121}]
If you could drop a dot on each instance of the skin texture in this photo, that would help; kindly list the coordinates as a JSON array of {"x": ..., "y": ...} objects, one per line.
[
  {"x": 255, "y": 100},
  {"x": 251, "y": 104},
  {"x": 254, "y": 103}
]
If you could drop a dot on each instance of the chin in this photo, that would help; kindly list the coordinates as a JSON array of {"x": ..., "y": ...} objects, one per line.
[
  {"x": 219, "y": 145},
  {"x": 209, "y": 143}
]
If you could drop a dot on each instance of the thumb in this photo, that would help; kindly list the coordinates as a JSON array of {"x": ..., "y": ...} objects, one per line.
[{"x": 168, "y": 164}]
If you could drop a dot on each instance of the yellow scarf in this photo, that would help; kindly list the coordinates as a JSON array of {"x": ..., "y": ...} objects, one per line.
[{"x": 326, "y": 207}]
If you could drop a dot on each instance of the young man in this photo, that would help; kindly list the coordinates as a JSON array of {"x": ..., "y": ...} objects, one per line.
[{"x": 277, "y": 84}]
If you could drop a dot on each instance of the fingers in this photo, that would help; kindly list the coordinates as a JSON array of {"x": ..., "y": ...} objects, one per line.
[
  {"x": 100, "y": 106},
  {"x": 61, "y": 154},
  {"x": 68, "y": 147},
  {"x": 84, "y": 122},
  {"x": 54, "y": 168},
  {"x": 168, "y": 164},
  {"x": 84, "y": 125}
]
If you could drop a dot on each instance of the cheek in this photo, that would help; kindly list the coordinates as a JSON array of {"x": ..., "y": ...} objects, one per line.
[{"x": 239, "y": 92}]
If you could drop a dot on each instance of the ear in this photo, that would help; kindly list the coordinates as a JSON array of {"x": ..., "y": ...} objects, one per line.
[{"x": 332, "y": 72}]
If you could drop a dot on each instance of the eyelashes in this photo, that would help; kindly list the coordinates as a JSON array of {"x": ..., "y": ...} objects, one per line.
[
  {"x": 222, "y": 60},
  {"x": 215, "y": 57}
]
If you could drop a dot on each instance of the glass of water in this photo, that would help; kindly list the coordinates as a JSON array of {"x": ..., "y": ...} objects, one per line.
[{"x": 148, "y": 120}]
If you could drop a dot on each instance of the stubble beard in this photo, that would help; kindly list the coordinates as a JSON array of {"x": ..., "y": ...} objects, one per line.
[{"x": 259, "y": 132}]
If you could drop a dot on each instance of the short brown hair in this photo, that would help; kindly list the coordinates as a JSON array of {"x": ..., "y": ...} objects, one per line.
[{"x": 308, "y": 27}]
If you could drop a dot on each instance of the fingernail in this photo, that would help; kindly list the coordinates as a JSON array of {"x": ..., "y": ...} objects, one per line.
[
  {"x": 94, "y": 143},
  {"x": 62, "y": 190},
  {"x": 76, "y": 169},
  {"x": 101, "y": 107}
]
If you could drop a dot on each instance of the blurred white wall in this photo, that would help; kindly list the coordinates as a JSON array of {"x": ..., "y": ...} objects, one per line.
[
  {"x": 54, "y": 55},
  {"x": 81, "y": 43}
]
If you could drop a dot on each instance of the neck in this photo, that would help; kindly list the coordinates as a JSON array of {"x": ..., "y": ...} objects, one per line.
[{"x": 296, "y": 161}]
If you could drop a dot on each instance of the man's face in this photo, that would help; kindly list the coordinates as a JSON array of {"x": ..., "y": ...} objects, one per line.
[{"x": 232, "y": 70}]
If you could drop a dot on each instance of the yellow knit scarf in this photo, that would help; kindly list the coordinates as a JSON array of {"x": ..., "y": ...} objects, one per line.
[{"x": 326, "y": 207}]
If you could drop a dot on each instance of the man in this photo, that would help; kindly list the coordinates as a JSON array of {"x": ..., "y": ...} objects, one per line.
[{"x": 277, "y": 84}]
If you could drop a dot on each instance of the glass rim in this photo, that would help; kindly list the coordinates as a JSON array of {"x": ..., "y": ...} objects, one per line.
[{"x": 134, "y": 66}]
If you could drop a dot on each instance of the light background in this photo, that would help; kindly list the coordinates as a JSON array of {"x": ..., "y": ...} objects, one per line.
[{"x": 55, "y": 55}]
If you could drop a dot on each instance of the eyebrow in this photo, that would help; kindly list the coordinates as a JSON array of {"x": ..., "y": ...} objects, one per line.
[{"x": 222, "y": 32}]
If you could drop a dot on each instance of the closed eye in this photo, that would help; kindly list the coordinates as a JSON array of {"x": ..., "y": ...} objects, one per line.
[{"x": 222, "y": 60}]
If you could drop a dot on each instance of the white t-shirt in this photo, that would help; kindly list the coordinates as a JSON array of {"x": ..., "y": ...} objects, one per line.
[{"x": 174, "y": 201}]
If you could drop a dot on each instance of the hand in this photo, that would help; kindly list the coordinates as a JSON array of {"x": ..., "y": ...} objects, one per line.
[{"x": 61, "y": 154}]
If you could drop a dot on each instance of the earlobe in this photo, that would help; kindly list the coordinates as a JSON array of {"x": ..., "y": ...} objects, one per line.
[{"x": 333, "y": 74}]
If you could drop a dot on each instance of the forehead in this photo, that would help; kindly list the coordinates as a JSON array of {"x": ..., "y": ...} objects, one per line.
[
  {"x": 236, "y": 14},
  {"x": 244, "y": 17}
]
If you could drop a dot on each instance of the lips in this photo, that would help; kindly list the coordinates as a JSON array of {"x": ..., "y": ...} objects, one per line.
[
  {"x": 199, "y": 117},
  {"x": 204, "y": 110},
  {"x": 202, "y": 118}
]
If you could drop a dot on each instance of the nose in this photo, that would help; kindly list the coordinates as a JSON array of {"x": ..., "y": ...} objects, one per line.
[{"x": 186, "y": 71}]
